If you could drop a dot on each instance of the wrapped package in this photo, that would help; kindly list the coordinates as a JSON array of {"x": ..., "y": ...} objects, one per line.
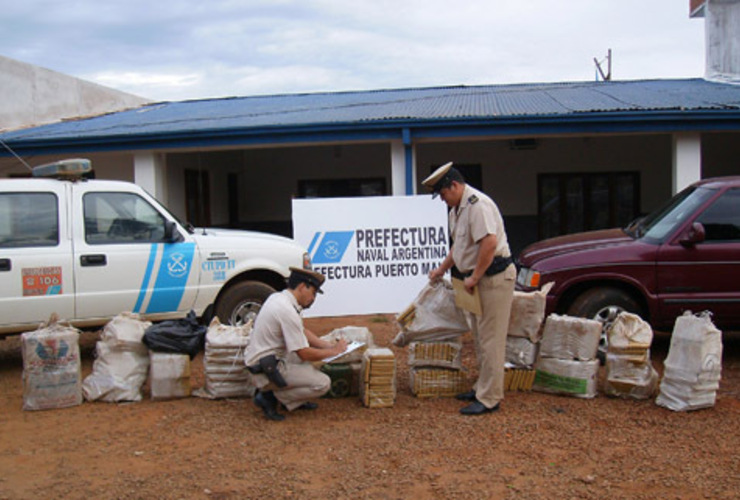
[
  {"x": 568, "y": 337},
  {"x": 378, "y": 372},
  {"x": 351, "y": 334},
  {"x": 225, "y": 374},
  {"x": 629, "y": 372},
  {"x": 51, "y": 367},
  {"x": 432, "y": 315},
  {"x": 169, "y": 375},
  {"x": 521, "y": 352},
  {"x": 567, "y": 377},
  {"x": 528, "y": 313},
  {"x": 441, "y": 354},
  {"x": 121, "y": 361},
  {"x": 693, "y": 367},
  {"x": 431, "y": 381},
  {"x": 628, "y": 378}
]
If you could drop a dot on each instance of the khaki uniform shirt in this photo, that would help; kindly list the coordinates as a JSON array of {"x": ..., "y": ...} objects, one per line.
[
  {"x": 278, "y": 329},
  {"x": 476, "y": 217}
]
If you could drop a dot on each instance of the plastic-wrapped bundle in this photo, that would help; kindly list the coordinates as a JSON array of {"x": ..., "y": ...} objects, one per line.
[
  {"x": 441, "y": 354},
  {"x": 429, "y": 381},
  {"x": 568, "y": 337},
  {"x": 432, "y": 315},
  {"x": 121, "y": 361},
  {"x": 629, "y": 372},
  {"x": 518, "y": 379},
  {"x": 226, "y": 375},
  {"x": 567, "y": 377},
  {"x": 378, "y": 386},
  {"x": 521, "y": 352},
  {"x": 351, "y": 334},
  {"x": 693, "y": 367},
  {"x": 170, "y": 375},
  {"x": 528, "y": 313},
  {"x": 51, "y": 367}
]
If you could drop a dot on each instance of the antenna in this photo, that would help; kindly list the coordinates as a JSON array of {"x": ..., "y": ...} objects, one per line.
[
  {"x": 608, "y": 76},
  {"x": 17, "y": 157}
]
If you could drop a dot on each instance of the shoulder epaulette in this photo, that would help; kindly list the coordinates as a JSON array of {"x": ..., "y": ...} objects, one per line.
[{"x": 473, "y": 199}]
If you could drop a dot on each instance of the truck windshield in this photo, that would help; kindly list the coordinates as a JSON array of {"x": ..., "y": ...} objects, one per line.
[{"x": 659, "y": 224}]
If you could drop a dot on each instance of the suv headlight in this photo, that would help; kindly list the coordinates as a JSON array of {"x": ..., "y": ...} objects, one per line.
[{"x": 528, "y": 278}]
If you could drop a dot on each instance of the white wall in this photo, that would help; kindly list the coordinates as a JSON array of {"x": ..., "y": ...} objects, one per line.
[{"x": 35, "y": 96}]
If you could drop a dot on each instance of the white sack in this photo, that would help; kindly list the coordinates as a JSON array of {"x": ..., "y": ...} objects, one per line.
[
  {"x": 51, "y": 367},
  {"x": 693, "y": 367},
  {"x": 351, "y": 334},
  {"x": 436, "y": 317},
  {"x": 528, "y": 313},
  {"x": 121, "y": 361},
  {"x": 566, "y": 377},
  {"x": 521, "y": 352},
  {"x": 568, "y": 337}
]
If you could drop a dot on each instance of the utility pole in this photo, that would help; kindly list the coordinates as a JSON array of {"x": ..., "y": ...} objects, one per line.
[{"x": 608, "y": 76}]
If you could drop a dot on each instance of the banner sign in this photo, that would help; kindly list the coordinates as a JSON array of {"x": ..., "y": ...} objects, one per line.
[{"x": 376, "y": 252}]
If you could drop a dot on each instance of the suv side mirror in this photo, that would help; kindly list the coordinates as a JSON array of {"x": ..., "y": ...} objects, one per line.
[
  {"x": 171, "y": 234},
  {"x": 693, "y": 235}
]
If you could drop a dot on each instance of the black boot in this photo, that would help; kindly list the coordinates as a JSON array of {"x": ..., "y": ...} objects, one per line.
[{"x": 268, "y": 402}]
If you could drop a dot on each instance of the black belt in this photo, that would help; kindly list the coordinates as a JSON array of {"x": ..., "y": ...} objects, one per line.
[{"x": 498, "y": 265}]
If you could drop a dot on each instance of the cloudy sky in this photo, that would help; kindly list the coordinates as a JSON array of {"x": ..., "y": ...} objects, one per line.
[{"x": 185, "y": 49}]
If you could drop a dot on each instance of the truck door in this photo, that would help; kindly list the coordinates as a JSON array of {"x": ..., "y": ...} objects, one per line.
[
  {"x": 36, "y": 276},
  {"x": 705, "y": 275},
  {"x": 122, "y": 262}
]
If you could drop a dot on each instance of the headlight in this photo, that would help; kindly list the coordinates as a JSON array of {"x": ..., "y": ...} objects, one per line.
[{"x": 528, "y": 278}]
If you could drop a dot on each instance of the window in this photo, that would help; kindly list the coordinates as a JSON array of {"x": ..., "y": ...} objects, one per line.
[
  {"x": 571, "y": 203},
  {"x": 121, "y": 218},
  {"x": 29, "y": 220},
  {"x": 333, "y": 188},
  {"x": 722, "y": 219}
]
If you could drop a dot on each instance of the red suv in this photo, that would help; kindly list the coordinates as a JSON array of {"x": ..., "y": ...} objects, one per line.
[{"x": 683, "y": 256}]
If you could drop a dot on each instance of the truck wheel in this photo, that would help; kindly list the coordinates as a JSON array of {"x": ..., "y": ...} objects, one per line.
[
  {"x": 242, "y": 301},
  {"x": 604, "y": 305}
]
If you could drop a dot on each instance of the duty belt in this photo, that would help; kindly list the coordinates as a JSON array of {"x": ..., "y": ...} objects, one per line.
[{"x": 498, "y": 265}]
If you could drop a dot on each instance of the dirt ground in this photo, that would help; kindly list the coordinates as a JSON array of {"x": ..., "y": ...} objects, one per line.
[{"x": 538, "y": 446}]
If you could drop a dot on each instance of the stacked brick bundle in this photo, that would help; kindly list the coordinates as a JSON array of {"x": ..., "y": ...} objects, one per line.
[
  {"x": 435, "y": 369},
  {"x": 378, "y": 375}
]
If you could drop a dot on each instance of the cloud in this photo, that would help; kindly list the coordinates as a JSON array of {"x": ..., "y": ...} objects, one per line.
[{"x": 172, "y": 50}]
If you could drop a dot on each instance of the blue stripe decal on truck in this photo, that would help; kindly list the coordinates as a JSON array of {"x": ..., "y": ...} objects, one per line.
[
  {"x": 147, "y": 277},
  {"x": 172, "y": 277}
]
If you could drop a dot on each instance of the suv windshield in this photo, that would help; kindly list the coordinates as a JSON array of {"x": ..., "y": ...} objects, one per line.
[{"x": 660, "y": 223}]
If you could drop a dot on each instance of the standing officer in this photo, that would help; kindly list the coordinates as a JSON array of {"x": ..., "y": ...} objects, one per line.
[
  {"x": 280, "y": 349},
  {"x": 480, "y": 256}
]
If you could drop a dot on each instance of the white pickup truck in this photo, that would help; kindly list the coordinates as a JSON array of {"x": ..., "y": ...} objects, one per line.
[{"x": 88, "y": 250}]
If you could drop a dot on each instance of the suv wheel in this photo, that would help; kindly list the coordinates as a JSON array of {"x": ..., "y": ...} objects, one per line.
[
  {"x": 241, "y": 302},
  {"x": 603, "y": 304}
]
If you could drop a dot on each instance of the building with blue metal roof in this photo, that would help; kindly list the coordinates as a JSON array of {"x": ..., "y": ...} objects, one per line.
[{"x": 557, "y": 157}]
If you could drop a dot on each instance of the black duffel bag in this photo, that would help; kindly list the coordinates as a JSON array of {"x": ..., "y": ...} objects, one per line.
[{"x": 178, "y": 336}]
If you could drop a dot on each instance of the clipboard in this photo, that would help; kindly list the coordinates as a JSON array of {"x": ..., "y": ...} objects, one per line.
[
  {"x": 355, "y": 344},
  {"x": 464, "y": 300}
]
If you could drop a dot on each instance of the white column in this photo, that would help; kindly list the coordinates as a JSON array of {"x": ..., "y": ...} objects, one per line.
[
  {"x": 398, "y": 169},
  {"x": 686, "y": 160},
  {"x": 150, "y": 174}
]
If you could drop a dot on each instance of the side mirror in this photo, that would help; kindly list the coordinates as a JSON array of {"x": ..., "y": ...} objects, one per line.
[
  {"x": 693, "y": 235},
  {"x": 171, "y": 234}
]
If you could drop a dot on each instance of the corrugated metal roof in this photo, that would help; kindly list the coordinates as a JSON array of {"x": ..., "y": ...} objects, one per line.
[{"x": 388, "y": 107}]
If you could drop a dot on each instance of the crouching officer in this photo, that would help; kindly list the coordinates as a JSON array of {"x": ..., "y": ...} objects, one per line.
[{"x": 280, "y": 349}]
